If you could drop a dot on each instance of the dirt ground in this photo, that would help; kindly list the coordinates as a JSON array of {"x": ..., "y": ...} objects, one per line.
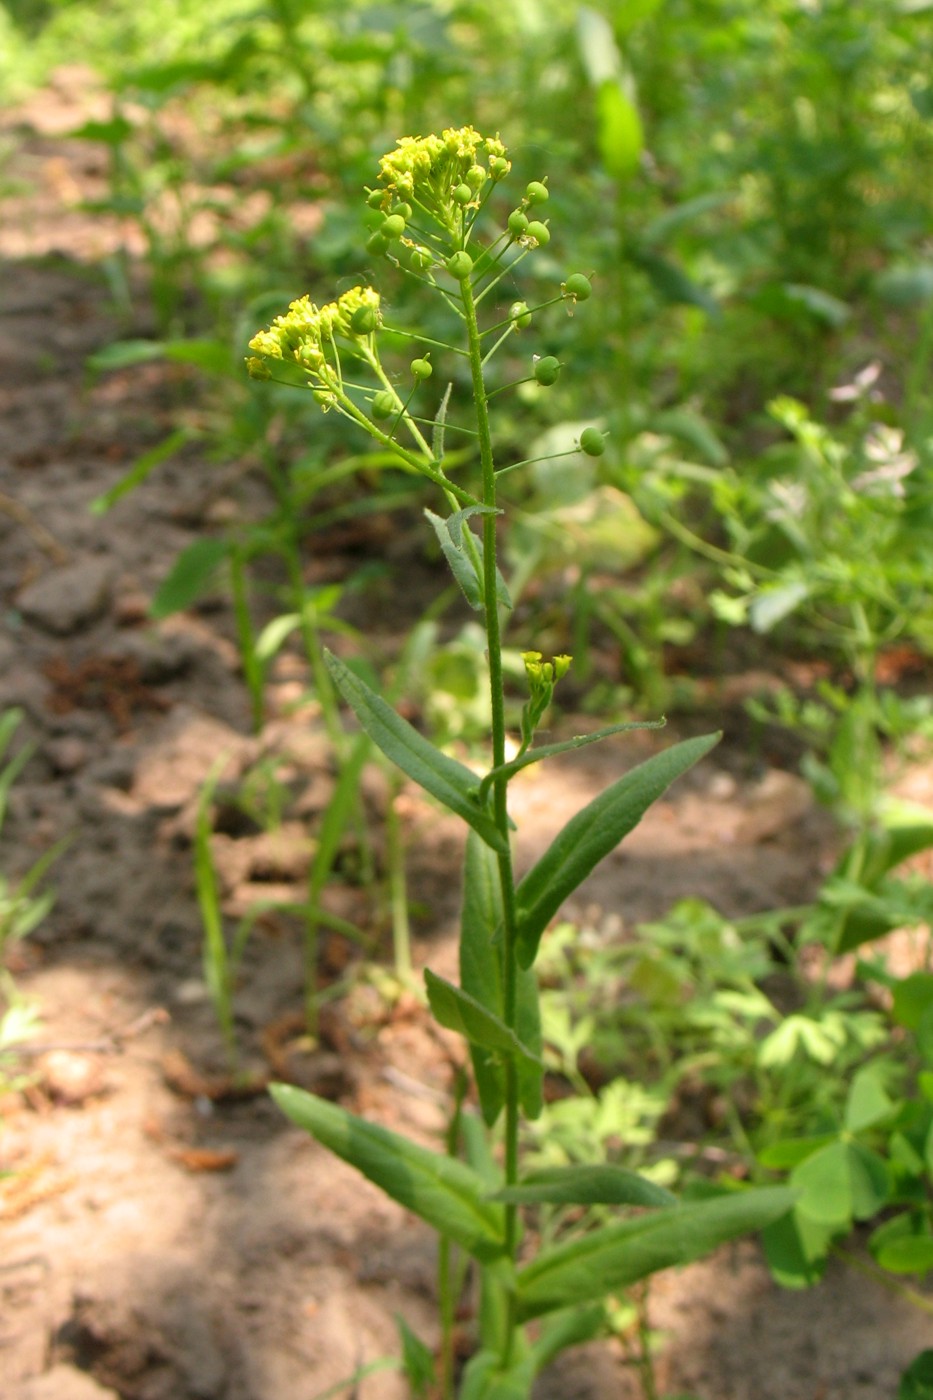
[{"x": 164, "y": 1237}]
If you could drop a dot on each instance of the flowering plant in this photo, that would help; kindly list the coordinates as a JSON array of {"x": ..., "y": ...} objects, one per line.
[{"x": 434, "y": 195}]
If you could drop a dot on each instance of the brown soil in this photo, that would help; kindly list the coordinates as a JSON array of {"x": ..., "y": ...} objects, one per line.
[{"x": 165, "y": 1235}]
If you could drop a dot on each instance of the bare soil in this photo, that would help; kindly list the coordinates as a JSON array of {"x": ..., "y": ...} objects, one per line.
[{"x": 165, "y": 1234}]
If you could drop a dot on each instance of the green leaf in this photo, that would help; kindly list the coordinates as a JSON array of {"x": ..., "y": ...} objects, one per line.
[
  {"x": 450, "y": 538},
  {"x": 484, "y": 1378},
  {"x": 190, "y": 576},
  {"x": 141, "y": 469},
  {"x": 841, "y": 1183},
  {"x": 579, "y": 741},
  {"x": 458, "y": 1011},
  {"x": 586, "y": 1186},
  {"x": 619, "y": 1255},
  {"x": 620, "y": 135},
  {"x": 440, "y": 423},
  {"x": 671, "y": 282},
  {"x": 917, "y": 1380},
  {"x": 868, "y": 1101},
  {"x": 450, "y": 782},
  {"x": 417, "y": 1359},
  {"x": 796, "y": 1249},
  {"x": 445, "y": 1193},
  {"x": 910, "y": 998},
  {"x": 481, "y": 975},
  {"x": 592, "y": 834},
  {"x": 909, "y": 1254},
  {"x": 792, "y": 1151}
]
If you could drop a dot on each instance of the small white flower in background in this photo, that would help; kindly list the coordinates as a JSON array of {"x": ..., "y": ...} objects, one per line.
[
  {"x": 891, "y": 462},
  {"x": 859, "y": 385}
]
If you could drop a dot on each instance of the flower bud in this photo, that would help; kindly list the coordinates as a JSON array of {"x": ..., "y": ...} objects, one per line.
[
  {"x": 499, "y": 166},
  {"x": 476, "y": 177}
]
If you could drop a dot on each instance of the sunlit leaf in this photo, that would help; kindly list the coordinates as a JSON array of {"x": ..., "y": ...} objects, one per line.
[{"x": 445, "y": 1193}]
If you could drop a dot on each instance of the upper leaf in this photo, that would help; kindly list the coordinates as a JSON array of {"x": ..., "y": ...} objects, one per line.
[
  {"x": 592, "y": 834},
  {"x": 444, "y": 778}
]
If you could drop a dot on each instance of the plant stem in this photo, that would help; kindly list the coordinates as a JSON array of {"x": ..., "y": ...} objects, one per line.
[{"x": 500, "y": 784}]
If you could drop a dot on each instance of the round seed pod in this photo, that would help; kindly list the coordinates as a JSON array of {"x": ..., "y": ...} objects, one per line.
[
  {"x": 377, "y": 243},
  {"x": 364, "y": 320},
  {"x": 539, "y": 232},
  {"x": 546, "y": 370},
  {"x": 421, "y": 259},
  {"x": 463, "y": 194},
  {"x": 374, "y": 199},
  {"x": 460, "y": 265},
  {"x": 422, "y": 369},
  {"x": 536, "y": 192},
  {"x": 404, "y": 210},
  {"x": 517, "y": 222},
  {"x": 498, "y": 167},
  {"x": 578, "y": 287},
  {"x": 592, "y": 442},
  {"x": 393, "y": 227},
  {"x": 476, "y": 177},
  {"x": 383, "y": 404},
  {"x": 520, "y": 314}
]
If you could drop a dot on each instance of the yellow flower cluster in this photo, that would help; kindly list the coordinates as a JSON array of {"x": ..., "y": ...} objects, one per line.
[
  {"x": 306, "y": 332},
  {"x": 427, "y": 169}
]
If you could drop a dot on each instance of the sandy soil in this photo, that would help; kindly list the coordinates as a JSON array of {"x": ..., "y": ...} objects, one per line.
[{"x": 166, "y": 1236}]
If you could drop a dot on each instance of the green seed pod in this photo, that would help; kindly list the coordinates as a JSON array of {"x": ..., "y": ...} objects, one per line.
[
  {"x": 518, "y": 222},
  {"x": 592, "y": 442},
  {"x": 421, "y": 259},
  {"x": 393, "y": 227},
  {"x": 539, "y": 232},
  {"x": 373, "y": 219},
  {"x": 519, "y": 314},
  {"x": 374, "y": 198},
  {"x": 498, "y": 167},
  {"x": 422, "y": 369},
  {"x": 404, "y": 210},
  {"x": 383, "y": 404},
  {"x": 364, "y": 320},
  {"x": 460, "y": 265},
  {"x": 476, "y": 177},
  {"x": 536, "y": 193},
  {"x": 578, "y": 287},
  {"x": 463, "y": 194},
  {"x": 377, "y": 243},
  {"x": 547, "y": 370}
]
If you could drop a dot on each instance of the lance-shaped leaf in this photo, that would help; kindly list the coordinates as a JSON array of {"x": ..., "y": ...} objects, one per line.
[
  {"x": 585, "y": 1186},
  {"x": 617, "y": 1256},
  {"x": 592, "y": 834},
  {"x": 458, "y": 1011},
  {"x": 466, "y": 561},
  {"x": 450, "y": 782},
  {"x": 579, "y": 741},
  {"x": 445, "y": 1193},
  {"x": 482, "y": 977}
]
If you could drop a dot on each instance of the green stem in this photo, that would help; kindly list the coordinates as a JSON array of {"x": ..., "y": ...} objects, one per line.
[{"x": 500, "y": 784}]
